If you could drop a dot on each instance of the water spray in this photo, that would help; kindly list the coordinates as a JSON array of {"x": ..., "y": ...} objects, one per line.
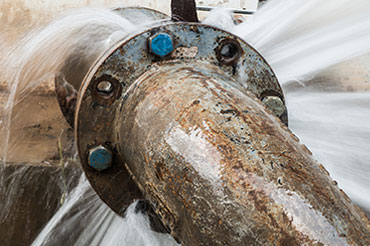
[{"x": 192, "y": 119}]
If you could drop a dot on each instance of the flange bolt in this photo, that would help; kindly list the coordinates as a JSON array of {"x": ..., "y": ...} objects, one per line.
[
  {"x": 100, "y": 158},
  {"x": 275, "y": 104},
  {"x": 161, "y": 44},
  {"x": 229, "y": 52},
  {"x": 104, "y": 87}
]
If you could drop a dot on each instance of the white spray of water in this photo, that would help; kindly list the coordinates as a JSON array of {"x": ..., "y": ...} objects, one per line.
[
  {"x": 335, "y": 126},
  {"x": 36, "y": 59},
  {"x": 96, "y": 224},
  {"x": 221, "y": 18},
  {"x": 85, "y": 34},
  {"x": 299, "y": 37}
]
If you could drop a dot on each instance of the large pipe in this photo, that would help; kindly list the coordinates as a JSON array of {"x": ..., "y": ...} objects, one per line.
[
  {"x": 220, "y": 170},
  {"x": 176, "y": 115}
]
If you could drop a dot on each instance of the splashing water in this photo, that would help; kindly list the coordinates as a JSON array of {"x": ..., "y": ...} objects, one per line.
[
  {"x": 335, "y": 126},
  {"x": 298, "y": 38},
  {"x": 96, "y": 224},
  {"x": 31, "y": 66},
  {"x": 36, "y": 60}
]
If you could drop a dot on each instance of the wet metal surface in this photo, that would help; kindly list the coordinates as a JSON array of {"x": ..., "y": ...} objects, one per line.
[
  {"x": 71, "y": 75},
  {"x": 189, "y": 134},
  {"x": 220, "y": 170},
  {"x": 184, "y": 10},
  {"x": 67, "y": 97},
  {"x": 123, "y": 65},
  {"x": 102, "y": 106}
]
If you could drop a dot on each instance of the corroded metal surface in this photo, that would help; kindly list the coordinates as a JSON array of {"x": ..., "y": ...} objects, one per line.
[
  {"x": 123, "y": 65},
  {"x": 71, "y": 75},
  {"x": 220, "y": 170},
  {"x": 67, "y": 96},
  {"x": 184, "y": 10},
  {"x": 128, "y": 60},
  {"x": 189, "y": 133}
]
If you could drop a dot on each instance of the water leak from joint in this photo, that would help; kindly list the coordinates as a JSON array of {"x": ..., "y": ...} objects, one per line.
[
  {"x": 32, "y": 135},
  {"x": 76, "y": 39},
  {"x": 97, "y": 224},
  {"x": 302, "y": 40},
  {"x": 300, "y": 37},
  {"x": 320, "y": 53}
]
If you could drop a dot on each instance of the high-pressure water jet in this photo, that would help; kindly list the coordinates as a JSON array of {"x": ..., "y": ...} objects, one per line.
[{"x": 193, "y": 120}]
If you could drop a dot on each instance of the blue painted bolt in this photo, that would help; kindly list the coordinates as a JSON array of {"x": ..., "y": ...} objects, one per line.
[
  {"x": 100, "y": 158},
  {"x": 161, "y": 44}
]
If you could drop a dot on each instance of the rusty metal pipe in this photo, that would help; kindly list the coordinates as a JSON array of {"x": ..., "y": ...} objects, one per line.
[
  {"x": 184, "y": 115},
  {"x": 221, "y": 170}
]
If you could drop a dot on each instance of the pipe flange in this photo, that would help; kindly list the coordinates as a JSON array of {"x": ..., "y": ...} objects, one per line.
[
  {"x": 68, "y": 81},
  {"x": 127, "y": 61}
]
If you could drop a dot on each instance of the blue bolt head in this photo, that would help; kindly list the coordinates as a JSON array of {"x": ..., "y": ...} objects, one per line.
[
  {"x": 100, "y": 158},
  {"x": 161, "y": 44}
]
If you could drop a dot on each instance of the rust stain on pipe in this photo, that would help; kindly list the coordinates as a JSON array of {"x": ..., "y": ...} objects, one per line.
[
  {"x": 220, "y": 170},
  {"x": 189, "y": 134}
]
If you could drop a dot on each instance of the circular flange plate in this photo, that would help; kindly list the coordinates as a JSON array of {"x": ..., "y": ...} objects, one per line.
[
  {"x": 123, "y": 64},
  {"x": 72, "y": 73}
]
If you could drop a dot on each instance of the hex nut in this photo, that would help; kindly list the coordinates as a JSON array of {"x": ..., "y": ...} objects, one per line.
[
  {"x": 161, "y": 44},
  {"x": 100, "y": 158},
  {"x": 275, "y": 104}
]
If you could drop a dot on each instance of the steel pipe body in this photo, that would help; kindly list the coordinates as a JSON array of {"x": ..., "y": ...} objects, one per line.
[{"x": 221, "y": 170}]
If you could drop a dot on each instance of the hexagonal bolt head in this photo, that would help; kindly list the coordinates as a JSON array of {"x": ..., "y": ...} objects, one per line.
[
  {"x": 161, "y": 44},
  {"x": 275, "y": 104},
  {"x": 100, "y": 158}
]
